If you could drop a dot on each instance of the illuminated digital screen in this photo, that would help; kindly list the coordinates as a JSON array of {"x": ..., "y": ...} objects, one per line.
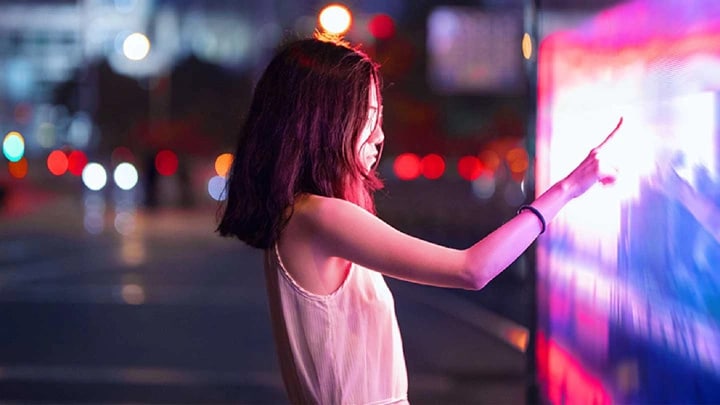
[{"x": 629, "y": 274}]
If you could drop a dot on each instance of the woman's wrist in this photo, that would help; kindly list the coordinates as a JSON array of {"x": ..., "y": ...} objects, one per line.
[
  {"x": 565, "y": 189},
  {"x": 537, "y": 213}
]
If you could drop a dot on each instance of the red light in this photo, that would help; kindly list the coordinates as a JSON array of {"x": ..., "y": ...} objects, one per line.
[
  {"x": 490, "y": 160},
  {"x": 122, "y": 154},
  {"x": 166, "y": 162},
  {"x": 433, "y": 166},
  {"x": 57, "y": 162},
  {"x": 76, "y": 162},
  {"x": 470, "y": 167},
  {"x": 18, "y": 169},
  {"x": 381, "y": 26},
  {"x": 407, "y": 166}
]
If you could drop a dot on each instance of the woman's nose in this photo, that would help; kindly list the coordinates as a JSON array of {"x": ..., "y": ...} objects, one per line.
[{"x": 378, "y": 136}]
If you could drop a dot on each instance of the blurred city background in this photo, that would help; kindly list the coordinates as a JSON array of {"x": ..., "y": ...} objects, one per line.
[{"x": 118, "y": 120}]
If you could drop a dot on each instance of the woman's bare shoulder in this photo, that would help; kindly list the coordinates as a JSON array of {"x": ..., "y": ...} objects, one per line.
[{"x": 315, "y": 209}]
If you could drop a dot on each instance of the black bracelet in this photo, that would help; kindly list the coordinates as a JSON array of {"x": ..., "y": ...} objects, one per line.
[{"x": 537, "y": 214}]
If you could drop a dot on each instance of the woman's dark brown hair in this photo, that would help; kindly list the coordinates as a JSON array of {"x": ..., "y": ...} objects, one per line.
[{"x": 300, "y": 136}]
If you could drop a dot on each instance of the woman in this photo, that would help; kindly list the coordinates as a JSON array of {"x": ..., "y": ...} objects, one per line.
[{"x": 301, "y": 188}]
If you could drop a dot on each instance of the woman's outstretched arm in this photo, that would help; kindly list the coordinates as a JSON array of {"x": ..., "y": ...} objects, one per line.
[
  {"x": 338, "y": 228},
  {"x": 499, "y": 249}
]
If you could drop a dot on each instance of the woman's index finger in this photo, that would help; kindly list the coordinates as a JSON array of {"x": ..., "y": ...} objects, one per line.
[{"x": 610, "y": 136}]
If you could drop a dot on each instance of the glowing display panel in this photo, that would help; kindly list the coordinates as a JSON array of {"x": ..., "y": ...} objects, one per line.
[{"x": 629, "y": 275}]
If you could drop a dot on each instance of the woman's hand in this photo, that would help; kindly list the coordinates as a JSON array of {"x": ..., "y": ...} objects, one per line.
[{"x": 591, "y": 170}]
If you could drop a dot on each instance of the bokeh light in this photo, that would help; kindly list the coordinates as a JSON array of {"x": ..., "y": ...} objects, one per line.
[
  {"x": 125, "y": 176},
  {"x": 77, "y": 160},
  {"x": 407, "y": 166},
  {"x": 490, "y": 160},
  {"x": 122, "y": 154},
  {"x": 517, "y": 159},
  {"x": 45, "y": 134},
  {"x": 484, "y": 186},
  {"x": 18, "y": 169},
  {"x": 94, "y": 213},
  {"x": 136, "y": 46},
  {"x": 125, "y": 223},
  {"x": 469, "y": 167},
  {"x": 381, "y": 26},
  {"x": 432, "y": 166},
  {"x": 57, "y": 162},
  {"x": 13, "y": 146},
  {"x": 216, "y": 188},
  {"x": 335, "y": 19},
  {"x": 94, "y": 176},
  {"x": 133, "y": 294},
  {"x": 527, "y": 46},
  {"x": 80, "y": 130},
  {"x": 166, "y": 162},
  {"x": 20, "y": 76},
  {"x": 133, "y": 251},
  {"x": 223, "y": 163}
]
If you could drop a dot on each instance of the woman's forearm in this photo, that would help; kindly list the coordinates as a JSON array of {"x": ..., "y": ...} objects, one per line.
[{"x": 498, "y": 250}]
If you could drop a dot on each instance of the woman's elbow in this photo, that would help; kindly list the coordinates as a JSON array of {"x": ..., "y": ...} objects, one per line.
[
  {"x": 479, "y": 269},
  {"x": 473, "y": 278}
]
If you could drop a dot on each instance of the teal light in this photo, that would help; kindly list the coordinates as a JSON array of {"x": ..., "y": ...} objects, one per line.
[{"x": 13, "y": 146}]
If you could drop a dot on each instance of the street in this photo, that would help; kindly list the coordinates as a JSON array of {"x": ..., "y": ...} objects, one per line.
[{"x": 164, "y": 311}]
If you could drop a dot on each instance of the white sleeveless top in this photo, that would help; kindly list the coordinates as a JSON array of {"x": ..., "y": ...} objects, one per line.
[{"x": 341, "y": 348}]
